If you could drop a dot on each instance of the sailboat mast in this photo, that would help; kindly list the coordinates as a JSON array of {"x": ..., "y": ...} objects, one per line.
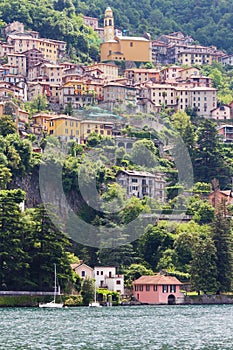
[{"x": 55, "y": 282}]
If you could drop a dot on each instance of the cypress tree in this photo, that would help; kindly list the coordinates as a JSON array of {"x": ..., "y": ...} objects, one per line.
[
  {"x": 204, "y": 266},
  {"x": 223, "y": 240}
]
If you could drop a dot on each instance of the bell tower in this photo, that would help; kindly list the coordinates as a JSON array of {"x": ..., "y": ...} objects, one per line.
[{"x": 108, "y": 25}]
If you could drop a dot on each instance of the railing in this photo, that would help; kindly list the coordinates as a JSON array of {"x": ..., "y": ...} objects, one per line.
[{"x": 12, "y": 292}]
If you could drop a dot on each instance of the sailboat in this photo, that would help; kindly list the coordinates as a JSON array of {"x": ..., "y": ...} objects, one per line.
[
  {"x": 53, "y": 304},
  {"x": 95, "y": 303}
]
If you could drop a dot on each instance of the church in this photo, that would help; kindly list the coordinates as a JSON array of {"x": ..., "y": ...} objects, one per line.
[{"x": 126, "y": 48}]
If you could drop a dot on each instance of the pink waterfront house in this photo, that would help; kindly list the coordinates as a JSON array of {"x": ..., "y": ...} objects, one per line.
[{"x": 158, "y": 289}]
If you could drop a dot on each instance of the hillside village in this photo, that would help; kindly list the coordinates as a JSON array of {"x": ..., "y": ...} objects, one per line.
[
  {"x": 136, "y": 80},
  {"x": 35, "y": 66}
]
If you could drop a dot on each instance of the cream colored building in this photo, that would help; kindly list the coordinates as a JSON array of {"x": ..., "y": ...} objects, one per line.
[
  {"x": 18, "y": 60},
  {"x": 119, "y": 95},
  {"x": 142, "y": 183},
  {"x": 110, "y": 71},
  {"x": 78, "y": 93},
  {"x": 186, "y": 73},
  {"x": 51, "y": 73},
  {"x": 222, "y": 112},
  {"x": 198, "y": 55},
  {"x": 6, "y": 49},
  {"x": 203, "y": 99},
  {"x": 162, "y": 94},
  {"x": 140, "y": 75},
  {"x": 49, "y": 48}
]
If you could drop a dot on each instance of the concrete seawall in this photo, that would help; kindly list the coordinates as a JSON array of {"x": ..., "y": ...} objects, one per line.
[{"x": 208, "y": 299}]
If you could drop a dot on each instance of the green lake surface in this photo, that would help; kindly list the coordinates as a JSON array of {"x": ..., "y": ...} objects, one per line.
[{"x": 206, "y": 327}]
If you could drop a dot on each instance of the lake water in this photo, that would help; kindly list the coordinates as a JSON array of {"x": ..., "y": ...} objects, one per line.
[{"x": 207, "y": 327}]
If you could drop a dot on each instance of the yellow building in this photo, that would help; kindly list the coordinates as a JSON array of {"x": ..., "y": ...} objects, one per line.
[
  {"x": 99, "y": 127},
  {"x": 40, "y": 122},
  {"x": 64, "y": 127},
  {"x": 127, "y": 48}
]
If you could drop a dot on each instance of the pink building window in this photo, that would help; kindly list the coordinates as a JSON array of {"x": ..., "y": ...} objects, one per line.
[
  {"x": 165, "y": 288},
  {"x": 172, "y": 288},
  {"x": 147, "y": 288},
  {"x": 155, "y": 288},
  {"x": 141, "y": 288}
]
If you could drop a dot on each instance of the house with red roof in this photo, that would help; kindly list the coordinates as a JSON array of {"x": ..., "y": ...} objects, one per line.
[
  {"x": 220, "y": 198},
  {"x": 158, "y": 289}
]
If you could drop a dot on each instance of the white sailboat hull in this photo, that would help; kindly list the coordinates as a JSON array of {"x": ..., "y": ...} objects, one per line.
[
  {"x": 51, "y": 304},
  {"x": 95, "y": 304}
]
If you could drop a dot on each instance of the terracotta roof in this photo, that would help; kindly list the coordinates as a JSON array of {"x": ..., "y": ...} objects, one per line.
[{"x": 157, "y": 279}]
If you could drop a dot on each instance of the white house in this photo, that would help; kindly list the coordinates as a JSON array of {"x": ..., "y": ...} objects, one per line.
[
  {"x": 142, "y": 183},
  {"x": 106, "y": 277},
  {"x": 221, "y": 113}
]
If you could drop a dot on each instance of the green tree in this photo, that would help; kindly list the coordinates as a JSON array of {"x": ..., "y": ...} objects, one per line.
[
  {"x": 37, "y": 104},
  {"x": 47, "y": 245},
  {"x": 223, "y": 240},
  {"x": 204, "y": 273},
  {"x": 88, "y": 291},
  {"x": 121, "y": 257},
  {"x": 14, "y": 268},
  {"x": 209, "y": 161},
  {"x": 144, "y": 153},
  {"x": 134, "y": 271},
  {"x": 7, "y": 125},
  {"x": 152, "y": 243}
]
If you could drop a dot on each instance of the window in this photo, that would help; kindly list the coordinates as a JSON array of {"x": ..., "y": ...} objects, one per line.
[
  {"x": 131, "y": 44},
  {"x": 141, "y": 288},
  {"x": 165, "y": 288},
  {"x": 97, "y": 273},
  {"x": 155, "y": 288},
  {"x": 136, "y": 288},
  {"x": 147, "y": 288},
  {"x": 101, "y": 272},
  {"x": 134, "y": 180},
  {"x": 118, "y": 282},
  {"x": 83, "y": 273},
  {"x": 172, "y": 288}
]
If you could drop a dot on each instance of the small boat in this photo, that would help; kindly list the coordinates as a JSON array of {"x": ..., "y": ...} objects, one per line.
[
  {"x": 53, "y": 303},
  {"x": 95, "y": 303}
]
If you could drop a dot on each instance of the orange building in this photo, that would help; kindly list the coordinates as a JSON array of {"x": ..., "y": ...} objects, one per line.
[{"x": 127, "y": 48}]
